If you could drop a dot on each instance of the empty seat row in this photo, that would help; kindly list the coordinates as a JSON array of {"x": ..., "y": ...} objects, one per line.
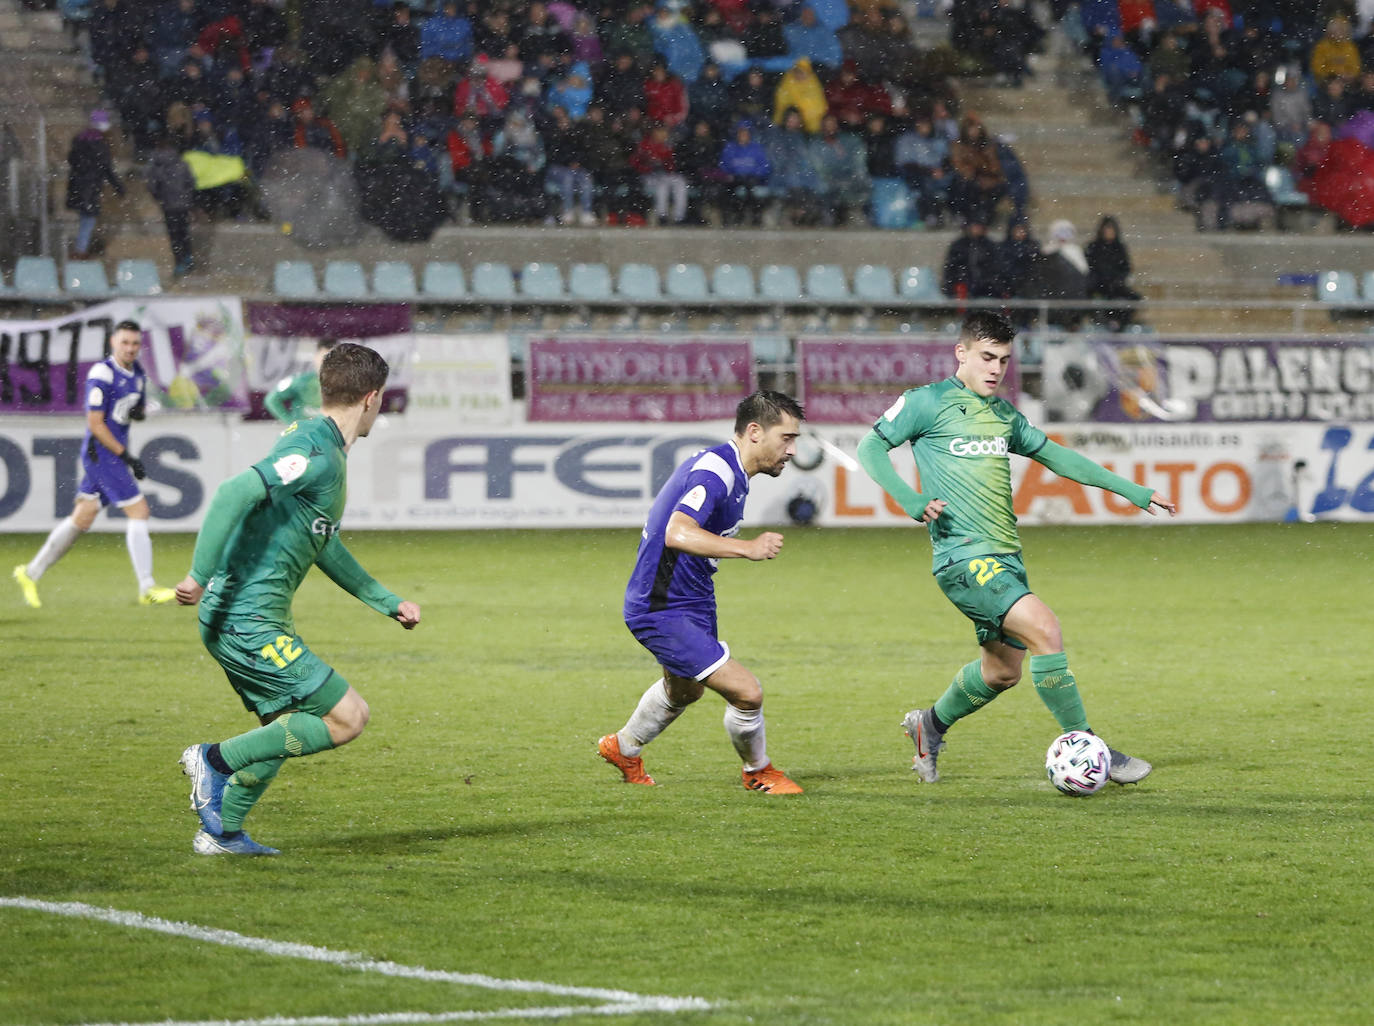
[
  {"x": 444, "y": 281},
  {"x": 1342, "y": 288},
  {"x": 37, "y": 277}
]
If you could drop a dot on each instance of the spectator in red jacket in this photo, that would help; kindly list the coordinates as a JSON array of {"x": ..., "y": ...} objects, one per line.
[
  {"x": 316, "y": 132},
  {"x": 852, "y": 100},
  {"x": 481, "y": 95},
  {"x": 657, "y": 166},
  {"x": 665, "y": 97}
]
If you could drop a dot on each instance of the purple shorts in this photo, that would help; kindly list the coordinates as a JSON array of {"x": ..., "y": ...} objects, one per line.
[
  {"x": 685, "y": 644},
  {"x": 109, "y": 480}
]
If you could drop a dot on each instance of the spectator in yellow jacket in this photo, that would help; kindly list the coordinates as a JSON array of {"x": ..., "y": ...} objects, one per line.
[
  {"x": 800, "y": 88},
  {"x": 1334, "y": 55}
]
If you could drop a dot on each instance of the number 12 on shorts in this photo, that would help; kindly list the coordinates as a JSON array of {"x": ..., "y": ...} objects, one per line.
[
  {"x": 282, "y": 651},
  {"x": 983, "y": 570}
]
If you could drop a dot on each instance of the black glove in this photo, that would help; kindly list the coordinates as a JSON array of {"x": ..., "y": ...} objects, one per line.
[
  {"x": 92, "y": 453},
  {"x": 134, "y": 464},
  {"x": 138, "y": 412}
]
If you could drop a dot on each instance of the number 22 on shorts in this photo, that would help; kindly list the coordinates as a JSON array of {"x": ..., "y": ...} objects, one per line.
[
  {"x": 983, "y": 570},
  {"x": 284, "y": 650}
]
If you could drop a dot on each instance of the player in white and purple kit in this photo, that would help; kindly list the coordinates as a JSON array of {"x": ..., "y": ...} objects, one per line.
[
  {"x": 670, "y": 602},
  {"x": 115, "y": 394}
]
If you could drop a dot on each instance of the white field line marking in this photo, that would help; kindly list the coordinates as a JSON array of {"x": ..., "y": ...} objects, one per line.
[{"x": 617, "y": 1002}]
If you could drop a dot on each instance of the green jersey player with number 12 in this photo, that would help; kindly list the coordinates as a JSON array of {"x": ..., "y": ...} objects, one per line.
[
  {"x": 264, "y": 530},
  {"x": 961, "y": 434}
]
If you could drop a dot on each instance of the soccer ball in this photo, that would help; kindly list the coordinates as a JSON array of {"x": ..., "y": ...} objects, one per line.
[{"x": 1078, "y": 763}]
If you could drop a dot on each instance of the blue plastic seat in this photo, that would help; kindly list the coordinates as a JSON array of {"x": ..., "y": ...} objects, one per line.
[
  {"x": 36, "y": 276},
  {"x": 687, "y": 282},
  {"x": 493, "y": 281},
  {"x": 295, "y": 279},
  {"x": 590, "y": 282},
  {"x": 137, "y": 278},
  {"x": 541, "y": 281},
  {"x": 891, "y": 204},
  {"x": 86, "y": 279},
  {"x": 733, "y": 282},
  {"x": 639, "y": 283},
  {"x": 443, "y": 280},
  {"x": 780, "y": 283},
  {"x": 345, "y": 279},
  {"x": 1367, "y": 287},
  {"x": 1332, "y": 287},
  {"x": 874, "y": 282},
  {"x": 1282, "y": 189},
  {"x": 919, "y": 284},
  {"x": 826, "y": 283},
  {"x": 393, "y": 279}
]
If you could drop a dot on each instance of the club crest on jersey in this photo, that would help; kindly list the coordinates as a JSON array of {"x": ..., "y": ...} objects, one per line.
[
  {"x": 694, "y": 498},
  {"x": 324, "y": 526},
  {"x": 290, "y": 467},
  {"x": 978, "y": 447}
]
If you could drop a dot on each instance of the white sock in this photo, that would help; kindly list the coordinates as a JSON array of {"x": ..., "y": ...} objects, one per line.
[
  {"x": 140, "y": 552},
  {"x": 745, "y": 727},
  {"x": 650, "y": 718},
  {"x": 62, "y": 537}
]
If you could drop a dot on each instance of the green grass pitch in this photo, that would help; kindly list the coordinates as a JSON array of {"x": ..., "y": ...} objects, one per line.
[{"x": 472, "y": 829}]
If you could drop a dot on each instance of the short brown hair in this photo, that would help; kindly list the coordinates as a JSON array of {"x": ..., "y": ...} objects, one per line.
[
  {"x": 987, "y": 325},
  {"x": 349, "y": 372},
  {"x": 766, "y": 408}
]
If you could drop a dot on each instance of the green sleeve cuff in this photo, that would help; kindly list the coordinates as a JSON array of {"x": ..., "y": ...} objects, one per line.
[
  {"x": 232, "y": 501},
  {"x": 1077, "y": 467},
  {"x": 874, "y": 458},
  {"x": 340, "y": 567}
]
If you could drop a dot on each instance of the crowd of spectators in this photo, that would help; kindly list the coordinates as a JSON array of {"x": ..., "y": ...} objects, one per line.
[
  {"x": 1224, "y": 89},
  {"x": 619, "y": 111}
]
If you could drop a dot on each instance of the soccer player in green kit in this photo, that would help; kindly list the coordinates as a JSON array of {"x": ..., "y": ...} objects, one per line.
[
  {"x": 298, "y": 397},
  {"x": 961, "y": 434},
  {"x": 263, "y": 531}
]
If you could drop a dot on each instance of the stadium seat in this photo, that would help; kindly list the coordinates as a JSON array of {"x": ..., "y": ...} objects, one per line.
[
  {"x": 590, "y": 282},
  {"x": 1336, "y": 287},
  {"x": 891, "y": 204},
  {"x": 393, "y": 279},
  {"x": 345, "y": 279},
  {"x": 295, "y": 279},
  {"x": 443, "y": 280},
  {"x": 687, "y": 282},
  {"x": 36, "y": 276},
  {"x": 85, "y": 279},
  {"x": 1283, "y": 191},
  {"x": 541, "y": 281},
  {"x": 638, "y": 283},
  {"x": 780, "y": 283},
  {"x": 919, "y": 284},
  {"x": 137, "y": 278},
  {"x": 874, "y": 283},
  {"x": 733, "y": 282},
  {"x": 493, "y": 281},
  {"x": 826, "y": 283}
]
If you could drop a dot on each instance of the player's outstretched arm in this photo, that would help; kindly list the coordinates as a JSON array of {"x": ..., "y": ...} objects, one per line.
[
  {"x": 343, "y": 569},
  {"x": 275, "y": 402},
  {"x": 1077, "y": 467},
  {"x": 686, "y": 535},
  {"x": 877, "y": 464},
  {"x": 232, "y": 501}
]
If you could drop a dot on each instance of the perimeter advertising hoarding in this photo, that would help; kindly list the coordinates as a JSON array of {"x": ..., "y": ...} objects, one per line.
[
  {"x": 637, "y": 379},
  {"x": 192, "y": 353},
  {"x": 583, "y": 475},
  {"x": 1173, "y": 380}
]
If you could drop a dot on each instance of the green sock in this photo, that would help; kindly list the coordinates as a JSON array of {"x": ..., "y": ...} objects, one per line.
[
  {"x": 292, "y": 734},
  {"x": 245, "y": 787},
  {"x": 967, "y": 694},
  {"x": 1056, "y": 687}
]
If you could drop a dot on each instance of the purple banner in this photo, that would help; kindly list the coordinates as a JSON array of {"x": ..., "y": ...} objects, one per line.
[
  {"x": 192, "y": 353},
  {"x": 852, "y": 381},
  {"x": 349, "y": 320},
  {"x": 1197, "y": 380},
  {"x": 638, "y": 379}
]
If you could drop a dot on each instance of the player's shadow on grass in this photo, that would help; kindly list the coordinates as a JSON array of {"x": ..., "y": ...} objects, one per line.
[{"x": 421, "y": 840}]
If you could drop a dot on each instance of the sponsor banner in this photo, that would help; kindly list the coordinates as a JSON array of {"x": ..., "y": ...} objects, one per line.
[
  {"x": 580, "y": 475},
  {"x": 460, "y": 379},
  {"x": 192, "y": 353},
  {"x": 284, "y": 339},
  {"x": 1174, "y": 380},
  {"x": 637, "y": 379},
  {"x": 852, "y": 381}
]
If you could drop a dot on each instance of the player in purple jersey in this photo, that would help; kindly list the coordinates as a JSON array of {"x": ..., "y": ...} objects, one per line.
[
  {"x": 670, "y": 602},
  {"x": 115, "y": 392}
]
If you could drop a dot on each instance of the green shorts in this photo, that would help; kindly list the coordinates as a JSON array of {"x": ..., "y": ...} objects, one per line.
[
  {"x": 272, "y": 671},
  {"x": 984, "y": 589}
]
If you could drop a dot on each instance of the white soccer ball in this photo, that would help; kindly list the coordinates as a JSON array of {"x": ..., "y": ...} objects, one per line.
[{"x": 1078, "y": 763}]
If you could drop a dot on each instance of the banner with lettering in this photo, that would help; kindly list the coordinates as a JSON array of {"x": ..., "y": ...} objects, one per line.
[
  {"x": 1209, "y": 380},
  {"x": 192, "y": 353},
  {"x": 637, "y": 379},
  {"x": 852, "y": 381}
]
